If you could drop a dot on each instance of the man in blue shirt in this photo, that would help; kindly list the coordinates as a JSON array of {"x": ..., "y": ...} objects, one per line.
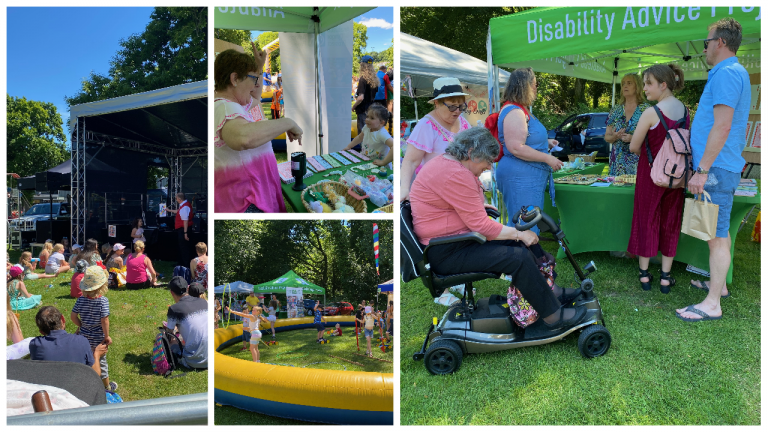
[
  {"x": 718, "y": 136},
  {"x": 58, "y": 345}
]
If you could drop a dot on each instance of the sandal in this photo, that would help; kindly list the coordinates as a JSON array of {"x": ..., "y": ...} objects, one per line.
[
  {"x": 667, "y": 276},
  {"x": 646, "y": 286},
  {"x": 577, "y": 317},
  {"x": 447, "y": 299},
  {"x": 705, "y": 287}
]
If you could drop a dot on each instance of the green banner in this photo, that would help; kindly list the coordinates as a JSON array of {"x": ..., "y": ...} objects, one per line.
[
  {"x": 288, "y": 280},
  {"x": 585, "y": 41},
  {"x": 283, "y": 19}
]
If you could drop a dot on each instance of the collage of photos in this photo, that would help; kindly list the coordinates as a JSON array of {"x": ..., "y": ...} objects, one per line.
[{"x": 573, "y": 216}]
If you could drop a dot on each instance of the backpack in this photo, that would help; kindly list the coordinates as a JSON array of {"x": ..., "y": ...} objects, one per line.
[
  {"x": 492, "y": 124},
  {"x": 183, "y": 272},
  {"x": 520, "y": 310},
  {"x": 163, "y": 362},
  {"x": 673, "y": 165}
]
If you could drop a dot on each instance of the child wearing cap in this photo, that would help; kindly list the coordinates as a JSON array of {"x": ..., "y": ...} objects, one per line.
[
  {"x": 76, "y": 248},
  {"x": 91, "y": 314},
  {"x": 21, "y": 299},
  {"x": 114, "y": 258}
]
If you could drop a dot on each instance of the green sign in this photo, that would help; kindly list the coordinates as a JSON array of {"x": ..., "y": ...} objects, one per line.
[{"x": 283, "y": 19}]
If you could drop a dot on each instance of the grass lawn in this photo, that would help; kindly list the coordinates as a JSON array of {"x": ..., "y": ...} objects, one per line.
[
  {"x": 134, "y": 318},
  {"x": 659, "y": 369},
  {"x": 298, "y": 348}
]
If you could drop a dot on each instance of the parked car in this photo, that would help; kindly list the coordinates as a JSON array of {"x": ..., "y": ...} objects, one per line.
[
  {"x": 570, "y": 138},
  {"x": 339, "y": 308},
  {"x": 28, "y": 220}
]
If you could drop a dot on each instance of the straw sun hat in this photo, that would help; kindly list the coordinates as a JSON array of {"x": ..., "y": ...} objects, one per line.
[{"x": 95, "y": 277}]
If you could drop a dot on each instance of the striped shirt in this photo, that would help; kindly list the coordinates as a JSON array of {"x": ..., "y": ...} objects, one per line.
[{"x": 91, "y": 312}]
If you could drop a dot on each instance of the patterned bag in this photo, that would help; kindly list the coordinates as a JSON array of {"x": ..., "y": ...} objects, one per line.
[
  {"x": 163, "y": 362},
  {"x": 522, "y": 312}
]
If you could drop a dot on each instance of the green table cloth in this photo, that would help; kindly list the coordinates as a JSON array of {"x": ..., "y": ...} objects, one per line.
[
  {"x": 294, "y": 198},
  {"x": 552, "y": 211},
  {"x": 600, "y": 219}
]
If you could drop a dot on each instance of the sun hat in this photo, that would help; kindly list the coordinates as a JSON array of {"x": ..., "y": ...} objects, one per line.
[
  {"x": 446, "y": 87},
  {"x": 15, "y": 272},
  {"x": 117, "y": 247},
  {"x": 95, "y": 277},
  {"x": 81, "y": 266},
  {"x": 366, "y": 59}
]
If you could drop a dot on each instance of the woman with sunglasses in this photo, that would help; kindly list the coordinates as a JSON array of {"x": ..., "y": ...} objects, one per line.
[
  {"x": 435, "y": 131},
  {"x": 245, "y": 169},
  {"x": 526, "y": 167}
]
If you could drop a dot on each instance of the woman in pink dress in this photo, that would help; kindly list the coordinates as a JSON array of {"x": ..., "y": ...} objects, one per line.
[
  {"x": 434, "y": 131},
  {"x": 245, "y": 169}
]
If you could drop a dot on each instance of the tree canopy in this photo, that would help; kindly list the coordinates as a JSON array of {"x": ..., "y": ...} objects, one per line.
[
  {"x": 359, "y": 42},
  {"x": 171, "y": 50},
  {"x": 336, "y": 255},
  {"x": 35, "y": 136}
]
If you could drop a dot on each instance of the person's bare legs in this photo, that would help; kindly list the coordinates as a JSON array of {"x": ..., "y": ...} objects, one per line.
[
  {"x": 370, "y": 353},
  {"x": 24, "y": 291},
  {"x": 62, "y": 269},
  {"x": 46, "y": 276},
  {"x": 255, "y": 351},
  {"x": 719, "y": 263}
]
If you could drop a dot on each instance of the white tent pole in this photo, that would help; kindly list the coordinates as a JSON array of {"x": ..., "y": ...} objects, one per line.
[
  {"x": 416, "y": 108},
  {"x": 317, "y": 88}
]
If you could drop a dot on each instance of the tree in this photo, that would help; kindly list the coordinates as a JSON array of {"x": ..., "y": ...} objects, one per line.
[
  {"x": 172, "y": 50},
  {"x": 274, "y": 56},
  {"x": 35, "y": 136},
  {"x": 359, "y": 42}
]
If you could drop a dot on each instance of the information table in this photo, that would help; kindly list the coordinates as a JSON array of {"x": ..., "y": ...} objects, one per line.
[
  {"x": 294, "y": 197},
  {"x": 552, "y": 211},
  {"x": 600, "y": 219}
]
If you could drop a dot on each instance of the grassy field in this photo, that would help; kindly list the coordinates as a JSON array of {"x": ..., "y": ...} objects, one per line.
[
  {"x": 298, "y": 348},
  {"x": 659, "y": 369},
  {"x": 134, "y": 318}
]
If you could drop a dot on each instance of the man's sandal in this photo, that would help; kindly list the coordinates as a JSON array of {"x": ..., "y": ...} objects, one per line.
[
  {"x": 703, "y": 315},
  {"x": 705, "y": 287}
]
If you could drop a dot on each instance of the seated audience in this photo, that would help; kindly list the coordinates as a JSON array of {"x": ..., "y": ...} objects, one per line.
[{"x": 189, "y": 316}]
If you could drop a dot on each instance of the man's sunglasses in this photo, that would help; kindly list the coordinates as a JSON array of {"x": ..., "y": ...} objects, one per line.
[
  {"x": 707, "y": 41},
  {"x": 453, "y": 108}
]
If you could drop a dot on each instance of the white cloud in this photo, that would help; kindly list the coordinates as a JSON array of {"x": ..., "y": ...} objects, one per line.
[{"x": 376, "y": 22}]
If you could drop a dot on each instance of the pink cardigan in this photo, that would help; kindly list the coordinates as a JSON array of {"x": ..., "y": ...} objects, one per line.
[{"x": 447, "y": 199}]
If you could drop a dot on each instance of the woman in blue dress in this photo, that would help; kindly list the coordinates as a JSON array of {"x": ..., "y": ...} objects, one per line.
[
  {"x": 17, "y": 291},
  {"x": 525, "y": 170}
]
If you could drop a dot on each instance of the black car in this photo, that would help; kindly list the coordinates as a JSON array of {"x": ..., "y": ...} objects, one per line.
[{"x": 569, "y": 135}]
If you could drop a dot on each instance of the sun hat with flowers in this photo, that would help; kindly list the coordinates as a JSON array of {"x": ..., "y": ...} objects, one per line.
[{"x": 95, "y": 277}]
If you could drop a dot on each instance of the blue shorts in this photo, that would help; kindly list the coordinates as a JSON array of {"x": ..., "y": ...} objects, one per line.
[
  {"x": 368, "y": 333},
  {"x": 246, "y": 336},
  {"x": 722, "y": 195}
]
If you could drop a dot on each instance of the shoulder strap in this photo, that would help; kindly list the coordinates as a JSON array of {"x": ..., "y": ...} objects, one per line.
[{"x": 661, "y": 118}]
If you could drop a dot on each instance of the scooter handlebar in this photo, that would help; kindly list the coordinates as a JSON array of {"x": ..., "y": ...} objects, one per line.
[{"x": 527, "y": 218}]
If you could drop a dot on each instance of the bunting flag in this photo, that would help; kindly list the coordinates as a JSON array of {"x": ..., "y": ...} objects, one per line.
[{"x": 376, "y": 245}]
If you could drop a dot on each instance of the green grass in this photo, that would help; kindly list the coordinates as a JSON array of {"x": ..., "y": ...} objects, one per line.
[
  {"x": 299, "y": 348},
  {"x": 659, "y": 369},
  {"x": 134, "y": 318}
]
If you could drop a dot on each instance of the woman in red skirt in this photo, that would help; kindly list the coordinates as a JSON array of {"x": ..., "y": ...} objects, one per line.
[{"x": 658, "y": 211}]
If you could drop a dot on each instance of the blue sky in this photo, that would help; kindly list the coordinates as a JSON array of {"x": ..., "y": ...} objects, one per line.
[
  {"x": 380, "y": 28},
  {"x": 51, "y": 50}
]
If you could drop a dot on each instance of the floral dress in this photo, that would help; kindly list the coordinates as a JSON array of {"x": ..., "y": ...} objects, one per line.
[
  {"x": 622, "y": 161},
  {"x": 201, "y": 269}
]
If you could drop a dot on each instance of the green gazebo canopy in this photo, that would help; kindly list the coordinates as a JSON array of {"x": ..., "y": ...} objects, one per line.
[
  {"x": 593, "y": 42},
  {"x": 284, "y": 19},
  {"x": 288, "y": 280}
]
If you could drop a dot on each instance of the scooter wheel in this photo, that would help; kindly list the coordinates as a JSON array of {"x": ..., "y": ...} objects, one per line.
[
  {"x": 443, "y": 357},
  {"x": 594, "y": 341}
]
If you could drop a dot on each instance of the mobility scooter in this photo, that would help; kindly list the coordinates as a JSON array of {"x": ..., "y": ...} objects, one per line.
[{"x": 485, "y": 325}]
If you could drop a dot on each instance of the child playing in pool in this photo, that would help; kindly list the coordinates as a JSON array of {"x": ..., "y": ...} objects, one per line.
[
  {"x": 319, "y": 322},
  {"x": 376, "y": 141},
  {"x": 368, "y": 322},
  {"x": 246, "y": 330},
  {"x": 255, "y": 318}
]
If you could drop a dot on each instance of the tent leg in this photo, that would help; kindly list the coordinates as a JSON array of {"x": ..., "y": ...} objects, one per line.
[
  {"x": 317, "y": 91},
  {"x": 416, "y": 108}
]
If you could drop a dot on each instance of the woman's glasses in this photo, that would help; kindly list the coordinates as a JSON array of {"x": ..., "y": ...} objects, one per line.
[
  {"x": 254, "y": 77},
  {"x": 453, "y": 108}
]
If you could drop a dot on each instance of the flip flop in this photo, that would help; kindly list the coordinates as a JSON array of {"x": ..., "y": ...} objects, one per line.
[
  {"x": 704, "y": 287},
  {"x": 447, "y": 299},
  {"x": 703, "y": 315}
]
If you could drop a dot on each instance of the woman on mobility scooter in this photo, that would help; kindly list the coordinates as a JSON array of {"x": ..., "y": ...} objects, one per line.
[{"x": 447, "y": 199}]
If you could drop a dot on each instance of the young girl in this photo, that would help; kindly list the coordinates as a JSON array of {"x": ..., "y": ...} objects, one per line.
[
  {"x": 90, "y": 252},
  {"x": 106, "y": 248},
  {"x": 76, "y": 248},
  {"x": 246, "y": 330},
  {"x": 199, "y": 265},
  {"x": 56, "y": 262},
  {"x": 273, "y": 308},
  {"x": 368, "y": 323},
  {"x": 45, "y": 253},
  {"x": 216, "y": 314},
  {"x": 91, "y": 314},
  {"x": 114, "y": 257},
  {"x": 377, "y": 142},
  {"x": 17, "y": 291},
  {"x": 254, "y": 318},
  {"x": 137, "y": 233},
  {"x": 380, "y": 322},
  {"x": 28, "y": 267}
]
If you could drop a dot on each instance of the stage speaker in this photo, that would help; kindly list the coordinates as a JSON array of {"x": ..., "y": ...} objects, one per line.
[
  {"x": 54, "y": 230},
  {"x": 50, "y": 181}
]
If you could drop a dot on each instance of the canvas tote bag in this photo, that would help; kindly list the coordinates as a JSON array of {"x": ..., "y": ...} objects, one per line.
[{"x": 700, "y": 217}]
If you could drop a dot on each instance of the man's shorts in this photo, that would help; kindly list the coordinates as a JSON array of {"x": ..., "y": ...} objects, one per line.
[
  {"x": 368, "y": 333},
  {"x": 246, "y": 336},
  {"x": 319, "y": 326},
  {"x": 722, "y": 195}
]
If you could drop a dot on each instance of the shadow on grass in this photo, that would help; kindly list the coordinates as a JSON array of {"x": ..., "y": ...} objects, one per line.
[{"x": 143, "y": 363}]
